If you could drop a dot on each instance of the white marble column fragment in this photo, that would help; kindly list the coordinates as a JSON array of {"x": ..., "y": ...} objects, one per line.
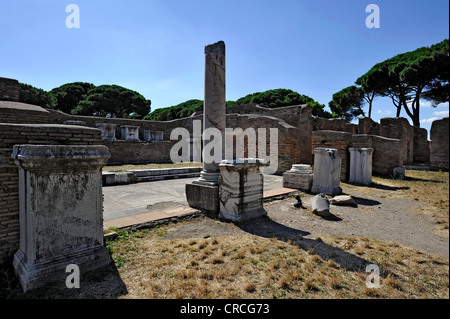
[
  {"x": 241, "y": 189},
  {"x": 327, "y": 172},
  {"x": 214, "y": 112},
  {"x": 360, "y": 165}
]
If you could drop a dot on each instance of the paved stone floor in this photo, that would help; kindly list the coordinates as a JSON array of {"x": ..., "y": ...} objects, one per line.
[{"x": 140, "y": 202}]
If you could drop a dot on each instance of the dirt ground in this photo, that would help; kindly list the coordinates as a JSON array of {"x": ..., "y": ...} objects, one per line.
[
  {"x": 383, "y": 212},
  {"x": 378, "y": 216}
]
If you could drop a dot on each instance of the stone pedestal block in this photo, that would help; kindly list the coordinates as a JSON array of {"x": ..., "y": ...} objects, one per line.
[
  {"x": 327, "y": 172},
  {"x": 204, "y": 197},
  {"x": 241, "y": 189},
  {"x": 130, "y": 133},
  {"x": 108, "y": 131},
  {"x": 61, "y": 220},
  {"x": 300, "y": 176},
  {"x": 360, "y": 165}
]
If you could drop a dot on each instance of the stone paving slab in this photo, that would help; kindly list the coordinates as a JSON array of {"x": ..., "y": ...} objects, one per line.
[{"x": 131, "y": 205}]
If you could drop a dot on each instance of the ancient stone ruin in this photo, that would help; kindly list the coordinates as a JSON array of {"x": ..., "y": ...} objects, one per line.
[{"x": 313, "y": 154}]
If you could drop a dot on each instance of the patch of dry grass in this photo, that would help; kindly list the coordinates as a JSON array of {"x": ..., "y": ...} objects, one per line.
[{"x": 249, "y": 266}]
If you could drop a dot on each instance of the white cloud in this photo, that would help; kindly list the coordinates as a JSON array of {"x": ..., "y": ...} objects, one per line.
[
  {"x": 429, "y": 120},
  {"x": 441, "y": 113},
  {"x": 384, "y": 112},
  {"x": 429, "y": 104}
]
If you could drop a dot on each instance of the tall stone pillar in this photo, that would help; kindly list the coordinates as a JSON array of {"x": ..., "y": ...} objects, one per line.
[
  {"x": 214, "y": 112},
  {"x": 204, "y": 192}
]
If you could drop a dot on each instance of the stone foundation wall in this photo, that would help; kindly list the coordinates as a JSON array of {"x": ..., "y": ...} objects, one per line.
[
  {"x": 128, "y": 152},
  {"x": 421, "y": 146},
  {"x": 399, "y": 128},
  {"x": 16, "y": 112},
  {"x": 341, "y": 125},
  {"x": 289, "y": 147},
  {"x": 9, "y": 89},
  {"x": 439, "y": 144},
  {"x": 12, "y": 134},
  {"x": 368, "y": 126},
  {"x": 338, "y": 140}
]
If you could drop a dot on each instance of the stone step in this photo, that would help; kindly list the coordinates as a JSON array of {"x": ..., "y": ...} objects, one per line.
[
  {"x": 147, "y": 175},
  {"x": 169, "y": 176}
]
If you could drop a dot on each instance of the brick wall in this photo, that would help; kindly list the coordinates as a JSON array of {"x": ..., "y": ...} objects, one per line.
[
  {"x": 294, "y": 141},
  {"x": 399, "y": 128},
  {"x": 341, "y": 125},
  {"x": 421, "y": 146},
  {"x": 9, "y": 89},
  {"x": 128, "y": 152},
  {"x": 368, "y": 126},
  {"x": 439, "y": 144},
  {"x": 338, "y": 140},
  {"x": 16, "y": 112},
  {"x": 387, "y": 152},
  {"x": 299, "y": 116},
  {"x": 12, "y": 134},
  {"x": 289, "y": 148}
]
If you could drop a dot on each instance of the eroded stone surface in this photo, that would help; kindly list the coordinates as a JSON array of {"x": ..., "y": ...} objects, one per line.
[
  {"x": 327, "y": 172},
  {"x": 61, "y": 220}
]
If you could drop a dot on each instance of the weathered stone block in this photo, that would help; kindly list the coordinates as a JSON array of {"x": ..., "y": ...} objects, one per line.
[
  {"x": 300, "y": 176},
  {"x": 108, "y": 131},
  {"x": 321, "y": 205},
  {"x": 130, "y": 133},
  {"x": 204, "y": 197},
  {"x": 241, "y": 189},
  {"x": 60, "y": 203},
  {"x": 360, "y": 165},
  {"x": 327, "y": 172}
]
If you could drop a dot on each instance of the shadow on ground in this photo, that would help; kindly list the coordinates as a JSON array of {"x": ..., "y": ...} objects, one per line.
[
  {"x": 267, "y": 228},
  {"x": 103, "y": 283}
]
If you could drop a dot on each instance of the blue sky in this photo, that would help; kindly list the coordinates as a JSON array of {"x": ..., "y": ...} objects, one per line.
[{"x": 314, "y": 47}]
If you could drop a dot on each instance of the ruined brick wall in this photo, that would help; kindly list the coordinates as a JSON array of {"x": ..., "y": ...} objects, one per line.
[
  {"x": 368, "y": 126},
  {"x": 129, "y": 152},
  {"x": 9, "y": 89},
  {"x": 387, "y": 152},
  {"x": 16, "y": 112},
  {"x": 421, "y": 146},
  {"x": 289, "y": 148},
  {"x": 338, "y": 140},
  {"x": 439, "y": 144},
  {"x": 290, "y": 114},
  {"x": 12, "y": 134},
  {"x": 341, "y": 125},
  {"x": 399, "y": 128},
  {"x": 294, "y": 141}
]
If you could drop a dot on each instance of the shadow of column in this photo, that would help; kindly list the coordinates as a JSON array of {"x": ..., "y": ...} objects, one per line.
[{"x": 267, "y": 228}]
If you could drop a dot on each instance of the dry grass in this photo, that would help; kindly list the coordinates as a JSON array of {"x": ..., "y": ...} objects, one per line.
[{"x": 248, "y": 266}]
